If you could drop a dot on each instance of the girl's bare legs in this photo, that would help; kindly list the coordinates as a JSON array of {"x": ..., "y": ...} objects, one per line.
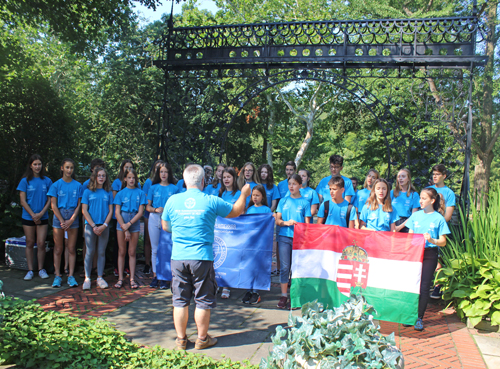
[
  {"x": 132, "y": 245},
  {"x": 122, "y": 250},
  {"x": 71, "y": 249},
  {"x": 58, "y": 249}
]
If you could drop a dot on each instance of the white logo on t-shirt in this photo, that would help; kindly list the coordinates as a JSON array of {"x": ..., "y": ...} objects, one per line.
[{"x": 190, "y": 203}]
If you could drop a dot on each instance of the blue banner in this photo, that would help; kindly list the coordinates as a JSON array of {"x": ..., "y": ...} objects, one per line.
[{"x": 243, "y": 249}]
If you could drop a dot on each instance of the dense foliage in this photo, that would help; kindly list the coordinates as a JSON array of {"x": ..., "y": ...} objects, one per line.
[
  {"x": 345, "y": 337},
  {"x": 33, "y": 338},
  {"x": 471, "y": 276}
]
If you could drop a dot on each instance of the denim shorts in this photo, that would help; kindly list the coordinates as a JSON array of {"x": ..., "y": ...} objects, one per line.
[
  {"x": 127, "y": 217},
  {"x": 66, "y": 214}
]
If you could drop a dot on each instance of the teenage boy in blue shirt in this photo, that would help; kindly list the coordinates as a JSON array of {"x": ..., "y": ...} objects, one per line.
[
  {"x": 323, "y": 189},
  {"x": 338, "y": 208}
]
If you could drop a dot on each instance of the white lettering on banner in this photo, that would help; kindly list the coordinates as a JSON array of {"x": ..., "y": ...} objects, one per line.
[
  {"x": 225, "y": 226},
  {"x": 220, "y": 252}
]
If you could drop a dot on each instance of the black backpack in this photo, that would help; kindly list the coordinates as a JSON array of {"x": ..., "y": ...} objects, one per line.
[{"x": 347, "y": 216}]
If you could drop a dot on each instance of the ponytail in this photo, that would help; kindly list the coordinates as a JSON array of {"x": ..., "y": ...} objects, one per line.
[{"x": 439, "y": 204}]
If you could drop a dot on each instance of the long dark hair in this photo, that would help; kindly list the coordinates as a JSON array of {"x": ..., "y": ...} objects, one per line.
[
  {"x": 269, "y": 181},
  {"x": 121, "y": 173},
  {"x": 124, "y": 183},
  {"x": 262, "y": 190},
  {"x": 106, "y": 186},
  {"x": 233, "y": 174},
  {"x": 171, "y": 179},
  {"x": 68, "y": 160},
  {"x": 438, "y": 204},
  {"x": 29, "y": 172}
]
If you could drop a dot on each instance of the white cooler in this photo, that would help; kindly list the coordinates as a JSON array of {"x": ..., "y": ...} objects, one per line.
[{"x": 15, "y": 253}]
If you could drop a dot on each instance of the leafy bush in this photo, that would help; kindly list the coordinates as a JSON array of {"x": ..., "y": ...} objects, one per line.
[
  {"x": 31, "y": 337},
  {"x": 471, "y": 278},
  {"x": 345, "y": 337}
]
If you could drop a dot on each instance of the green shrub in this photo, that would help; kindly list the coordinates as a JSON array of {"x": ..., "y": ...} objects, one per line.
[
  {"x": 345, "y": 337},
  {"x": 31, "y": 337},
  {"x": 471, "y": 276}
]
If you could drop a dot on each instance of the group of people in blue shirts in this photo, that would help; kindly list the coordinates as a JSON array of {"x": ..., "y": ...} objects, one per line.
[{"x": 122, "y": 203}]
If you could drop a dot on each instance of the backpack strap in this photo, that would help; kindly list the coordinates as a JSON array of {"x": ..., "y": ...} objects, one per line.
[
  {"x": 348, "y": 215},
  {"x": 327, "y": 209}
]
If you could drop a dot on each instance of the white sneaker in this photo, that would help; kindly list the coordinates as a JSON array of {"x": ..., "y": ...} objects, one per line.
[
  {"x": 28, "y": 276},
  {"x": 43, "y": 274},
  {"x": 86, "y": 284}
]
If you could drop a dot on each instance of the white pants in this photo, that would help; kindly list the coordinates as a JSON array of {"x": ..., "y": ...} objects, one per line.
[{"x": 154, "y": 228}]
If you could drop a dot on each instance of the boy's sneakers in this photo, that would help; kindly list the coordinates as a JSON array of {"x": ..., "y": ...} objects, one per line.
[
  {"x": 419, "y": 325},
  {"x": 43, "y": 274},
  {"x": 154, "y": 283},
  {"x": 164, "y": 285},
  {"x": 255, "y": 299},
  {"x": 57, "y": 282},
  {"x": 29, "y": 276},
  {"x": 283, "y": 302},
  {"x": 86, "y": 284},
  {"x": 181, "y": 343},
  {"x": 247, "y": 297},
  {"x": 436, "y": 293},
  {"x": 208, "y": 342},
  {"x": 72, "y": 281},
  {"x": 115, "y": 272},
  {"x": 147, "y": 269}
]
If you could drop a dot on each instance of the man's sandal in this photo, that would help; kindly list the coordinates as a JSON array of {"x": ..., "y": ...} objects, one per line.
[
  {"x": 133, "y": 284},
  {"x": 119, "y": 284}
]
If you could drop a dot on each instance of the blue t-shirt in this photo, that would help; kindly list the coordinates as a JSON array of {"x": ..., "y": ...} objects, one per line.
[
  {"x": 252, "y": 185},
  {"x": 378, "y": 220},
  {"x": 296, "y": 209},
  {"x": 130, "y": 199},
  {"x": 353, "y": 198},
  {"x": 211, "y": 190},
  {"x": 117, "y": 185},
  {"x": 36, "y": 195},
  {"x": 403, "y": 204},
  {"x": 263, "y": 209},
  {"x": 98, "y": 202},
  {"x": 309, "y": 194},
  {"x": 85, "y": 184},
  {"x": 337, "y": 213},
  {"x": 323, "y": 188},
  {"x": 147, "y": 185},
  {"x": 432, "y": 223},
  {"x": 448, "y": 195},
  {"x": 226, "y": 196},
  {"x": 180, "y": 186},
  {"x": 158, "y": 194},
  {"x": 192, "y": 216},
  {"x": 283, "y": 188},
  {"x": 361, "y": 197},
  {"x": 272, "y": 194},
  {"x": 67, "y": 194}
]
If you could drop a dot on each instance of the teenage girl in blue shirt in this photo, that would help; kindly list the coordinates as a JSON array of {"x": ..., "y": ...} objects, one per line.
[
  {"x": 430, "y": 222},
  {"x": 33, "y": 190},
  {"x": 97, "y": 208},
  {"x": 129, "y": 208},
  {"x": 364, "y": 194},
  {"x": 147, "y": 241},
  {"x": 229, "y": 191},
  {"x": 214, "y": 187},
  {"x": 66, "y": 194},
  {"x": 163, "y": 187},
  {"x": 378, "y": 214},
  {"x": 248, "y": 174},
  {"x": 291, "y": 210},
  {"x": 266, "y": 178},
  {"x": 405, "y": 199}
]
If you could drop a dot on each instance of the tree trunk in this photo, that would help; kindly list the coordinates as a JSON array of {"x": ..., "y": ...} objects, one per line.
[
  {"x": 303, "y": 148},
  {"x": 270, "y": 129},
  {"x": 482, "y": 173}
]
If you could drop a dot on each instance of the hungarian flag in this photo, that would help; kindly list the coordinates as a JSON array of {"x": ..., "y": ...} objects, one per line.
[{"x": 330, "y": 262}]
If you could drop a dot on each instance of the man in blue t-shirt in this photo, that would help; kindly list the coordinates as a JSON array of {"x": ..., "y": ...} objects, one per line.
[
  {"x": 323, "y": 189},
  {"x": 190, "y": 216}
]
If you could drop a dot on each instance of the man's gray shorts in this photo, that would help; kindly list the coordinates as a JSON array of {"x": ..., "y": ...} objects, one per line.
[{"x": 194, "y": 278}]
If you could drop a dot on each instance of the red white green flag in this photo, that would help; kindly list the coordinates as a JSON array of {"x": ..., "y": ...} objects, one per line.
[{"x": 330, "y": 262}]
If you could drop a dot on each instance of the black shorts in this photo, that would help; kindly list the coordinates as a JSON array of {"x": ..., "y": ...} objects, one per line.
[
  {"x": 32, "y": 223},
  {"x": 194, "y": 278}
]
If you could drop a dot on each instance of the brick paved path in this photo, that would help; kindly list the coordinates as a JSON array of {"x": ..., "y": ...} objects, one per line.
[{"x": 445, "y": 342}]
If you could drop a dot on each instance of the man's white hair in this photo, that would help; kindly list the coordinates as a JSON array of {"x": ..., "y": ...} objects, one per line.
[{"x": 193, "y": 175}]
